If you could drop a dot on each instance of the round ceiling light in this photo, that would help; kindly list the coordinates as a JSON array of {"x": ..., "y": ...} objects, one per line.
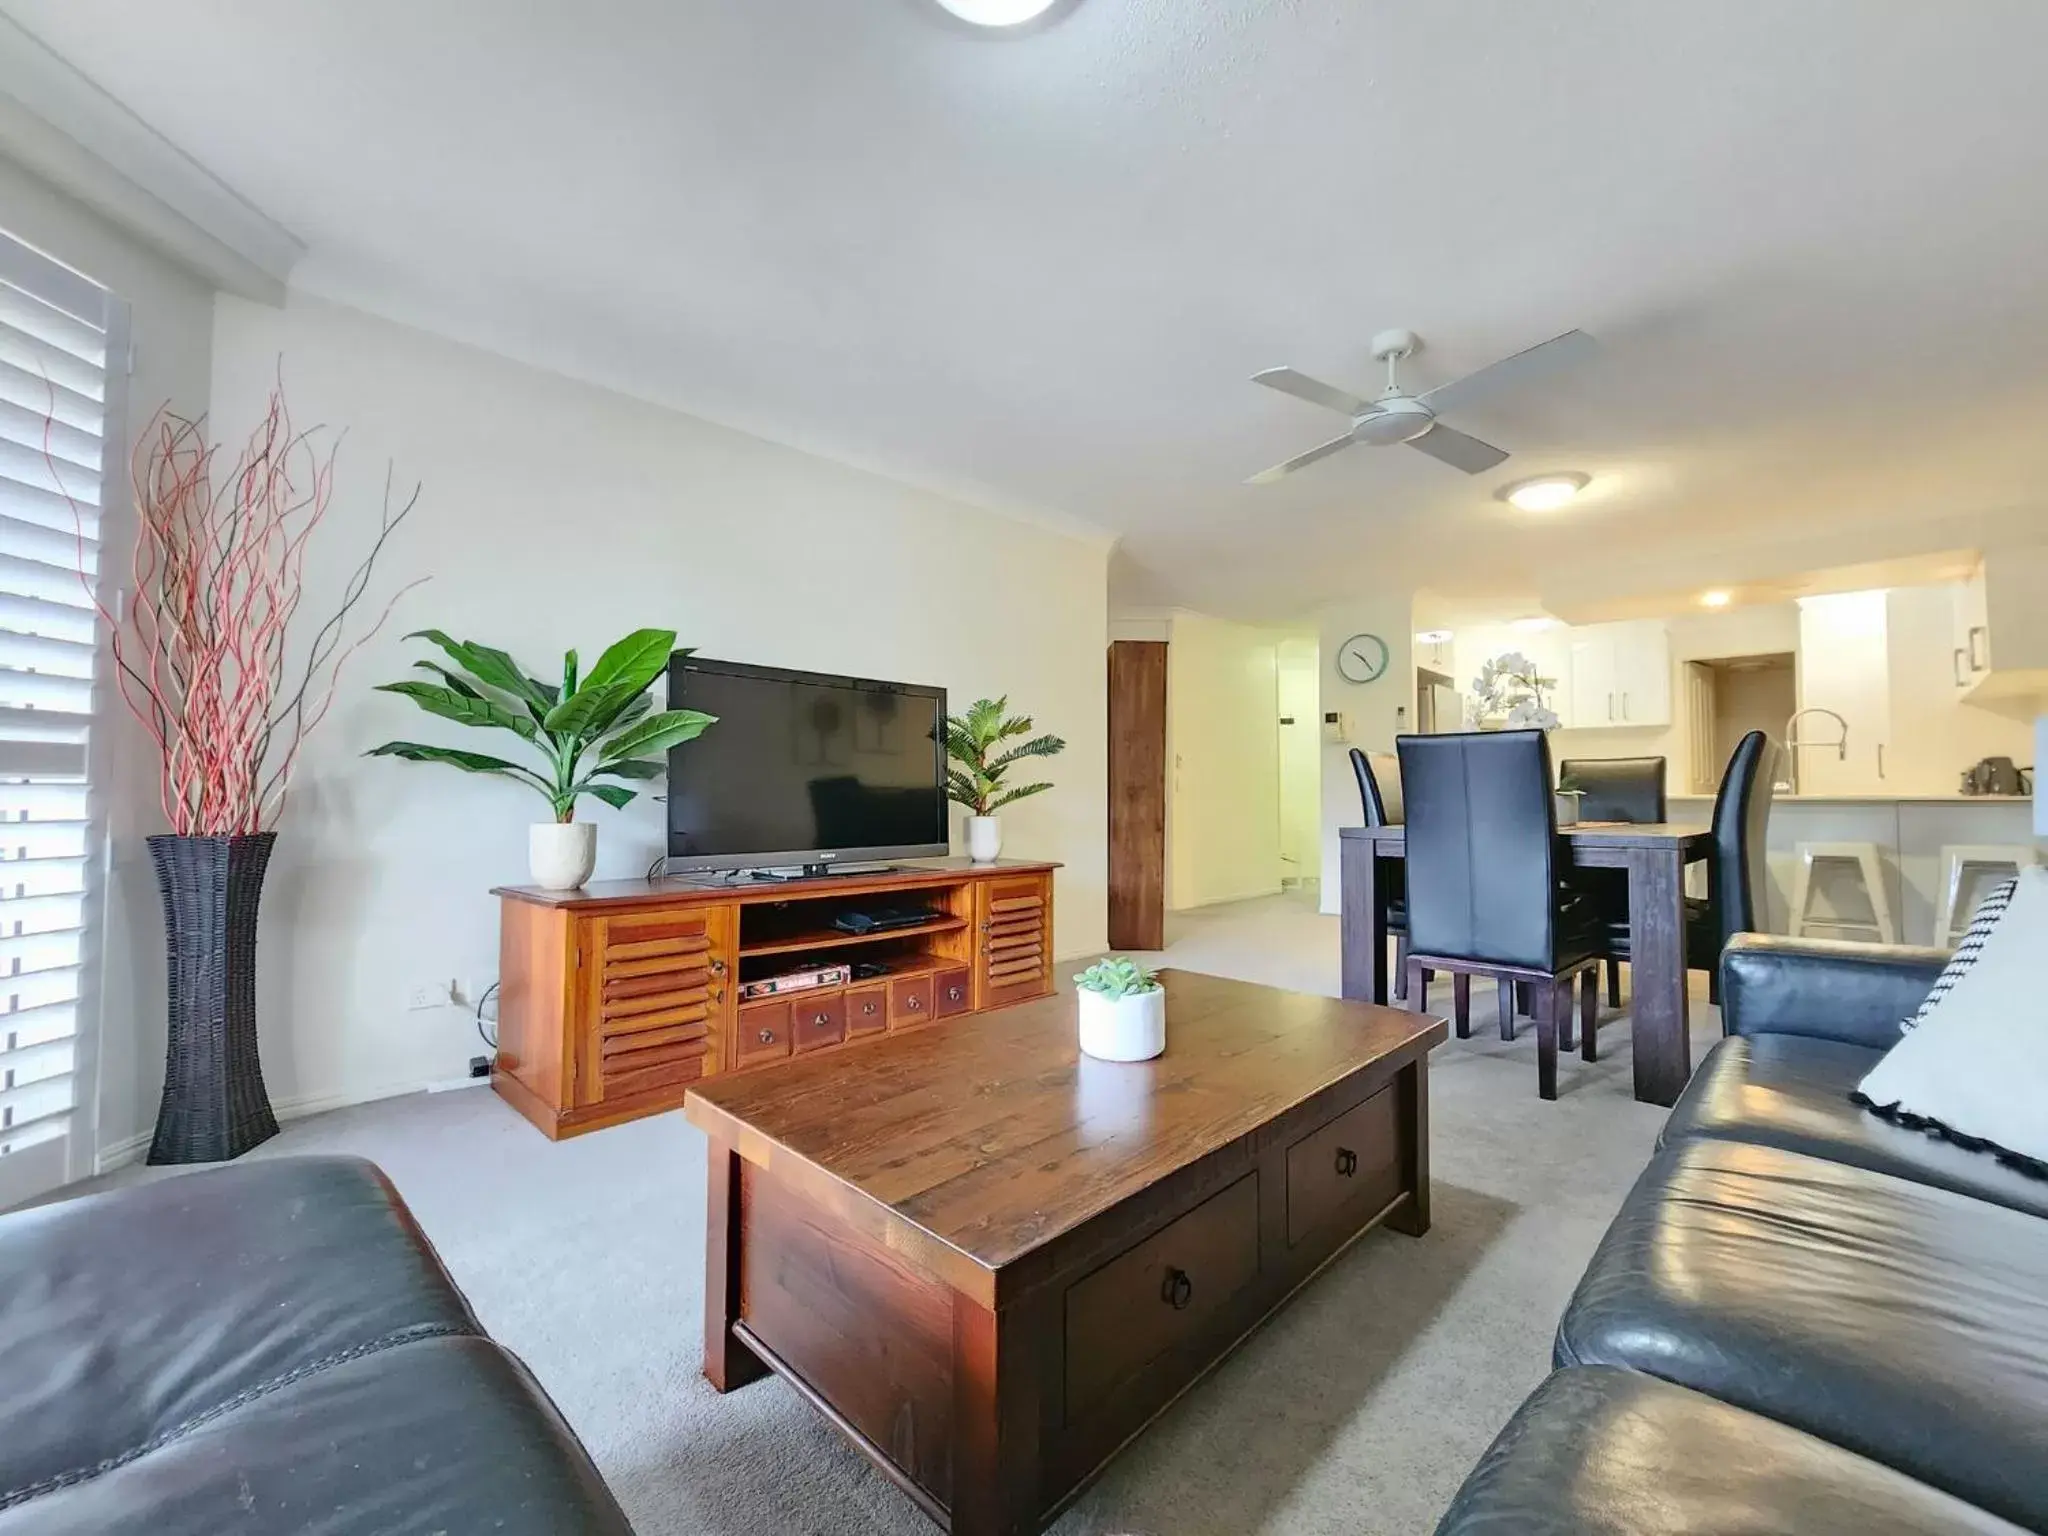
[
  {"x": 1544, "y": 493},
  {"x": 1717, "y": 598},
  {"x": 998, "y": 13}
]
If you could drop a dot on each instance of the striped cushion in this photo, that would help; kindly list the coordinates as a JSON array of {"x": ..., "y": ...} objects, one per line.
[
  {"x": 1973, "y": 1065},
  {"x": 1988, "y": 914}
]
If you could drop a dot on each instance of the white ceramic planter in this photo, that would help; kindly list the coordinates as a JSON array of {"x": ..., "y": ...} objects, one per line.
[
  {"x": 984, "y": 838},
  {"x": 561, "y": 854},
  {"x": 1567, "y": 807},
  {"x": 1123, "y": 1028}
]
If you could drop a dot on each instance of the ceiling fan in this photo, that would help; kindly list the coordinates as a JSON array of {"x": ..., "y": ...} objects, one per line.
[{"x": 1399, "y": 417}]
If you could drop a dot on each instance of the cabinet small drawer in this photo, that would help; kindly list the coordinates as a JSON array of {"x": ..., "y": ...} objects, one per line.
[
  {"x": 910, "y": 1002},
  {"x": 952, "y": 992},
  {"x": 817, "y": 1021},
  {"x": 867, "y": 1009},
  {"x": 1344, "y": 1174},
  {"x": 764, "y": 1033},
  {"x": 1165, "y": 1293}
]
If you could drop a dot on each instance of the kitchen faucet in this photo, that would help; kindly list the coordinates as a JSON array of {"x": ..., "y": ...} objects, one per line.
[
  {"x": 1841, "y": 746},
  {"x": 1793, "y": 744}
]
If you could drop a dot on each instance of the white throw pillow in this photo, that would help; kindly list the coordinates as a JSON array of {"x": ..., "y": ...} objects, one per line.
[{"x": 1974, "y": 1066}]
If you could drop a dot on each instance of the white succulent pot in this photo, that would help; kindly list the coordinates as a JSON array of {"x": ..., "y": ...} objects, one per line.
[
  {"x": 1567, "y": 807},
  {"x": 1129, "y": 1028},
  {"x": 561, "y": 854},
  {"x": 984, "y": 838}
]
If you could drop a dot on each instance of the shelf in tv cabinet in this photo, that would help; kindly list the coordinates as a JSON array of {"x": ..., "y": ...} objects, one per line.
[
  {"x": 899, "y": 969},
  {"x": 826, "y": 937}
]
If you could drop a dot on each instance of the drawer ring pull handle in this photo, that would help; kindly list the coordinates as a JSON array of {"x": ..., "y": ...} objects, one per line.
[
  {"x": 1177, "y": 1290},
  {"x": 913, "y": 1003},
  {"x": 767, "y": 1037},
  {"x": 718, "y": 967},
  {"x": 820, "y": 1020},
  {"x": 1347, "y": 1162},
  {"x": 952, "y": 994}
]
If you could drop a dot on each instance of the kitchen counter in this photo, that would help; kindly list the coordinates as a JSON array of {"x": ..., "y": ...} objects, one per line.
[
  {"x": 1785, "y": 799},
  {"x": 1910, "y": 832}
]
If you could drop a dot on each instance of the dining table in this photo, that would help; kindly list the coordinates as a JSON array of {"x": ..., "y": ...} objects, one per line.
[{"x": 1654, "y": 854}]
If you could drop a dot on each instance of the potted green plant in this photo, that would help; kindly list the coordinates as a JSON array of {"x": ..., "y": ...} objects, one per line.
[
  {"x": 1123, "y": 1010},
  {"x": 1569, "y": 795},
  {"x": 974, "y": 742},
  {"x": 591, "y": 731}
]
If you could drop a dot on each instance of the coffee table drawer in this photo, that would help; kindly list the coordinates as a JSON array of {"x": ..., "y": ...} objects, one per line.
[
  {"x": 1345, "y": 1172},
  {"x": 1162, "y": 1294}
]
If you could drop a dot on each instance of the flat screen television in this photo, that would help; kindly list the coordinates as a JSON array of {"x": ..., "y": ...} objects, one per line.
[{"x": 804, "y": 768}]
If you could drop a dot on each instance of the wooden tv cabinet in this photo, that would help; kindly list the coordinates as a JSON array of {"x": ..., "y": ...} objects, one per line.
[{"x": 614, "y": 998}]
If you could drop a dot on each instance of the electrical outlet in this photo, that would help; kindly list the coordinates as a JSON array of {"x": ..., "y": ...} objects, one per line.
[{"x": 431, "y": 994}]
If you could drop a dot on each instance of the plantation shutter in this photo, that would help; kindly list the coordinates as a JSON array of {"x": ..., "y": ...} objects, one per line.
[{"x": 57, "y": 331}]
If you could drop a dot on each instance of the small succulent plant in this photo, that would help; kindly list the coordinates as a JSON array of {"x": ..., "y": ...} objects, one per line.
[{"x": 1117, "y": 978}]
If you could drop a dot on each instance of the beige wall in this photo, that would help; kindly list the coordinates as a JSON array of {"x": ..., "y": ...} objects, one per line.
[
  {"x": 555, "y": 514},
  {"x": 1223, "y": 761}
]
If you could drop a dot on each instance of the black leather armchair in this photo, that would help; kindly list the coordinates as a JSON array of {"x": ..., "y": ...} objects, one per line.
[{"x": 264, "y": 1349}]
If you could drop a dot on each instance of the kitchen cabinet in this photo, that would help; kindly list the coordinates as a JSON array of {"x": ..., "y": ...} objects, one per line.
[
  {"x": 1972, "y": 651},
  {"x": 1844, "y": 666},
  {"x": 1620, "y": 676}
]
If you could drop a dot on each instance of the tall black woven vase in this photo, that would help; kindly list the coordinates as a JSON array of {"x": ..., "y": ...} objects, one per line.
[{"x": 214, "y": 1105}]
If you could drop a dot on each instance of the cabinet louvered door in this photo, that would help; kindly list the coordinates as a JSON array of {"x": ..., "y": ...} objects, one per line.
[
  {"x": 659, "y": 989},
  {"x": 1013, "y": 952}
]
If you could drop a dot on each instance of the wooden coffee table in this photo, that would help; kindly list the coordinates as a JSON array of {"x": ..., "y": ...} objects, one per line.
[{"x": 991, "y": 1261}]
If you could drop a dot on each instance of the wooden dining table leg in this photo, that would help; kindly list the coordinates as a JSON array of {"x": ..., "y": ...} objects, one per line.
[
  {"x": 1363, "y": 923},
  {"x": 1660, "y": 1016}
]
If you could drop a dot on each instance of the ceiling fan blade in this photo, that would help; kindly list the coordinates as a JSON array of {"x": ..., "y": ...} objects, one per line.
[
  {"x": 1458, "y": 450},
  {"x": 1302, "y": 461},
  {"x": 1314, "y": 391},
  {"x": 1558, "y": 352}
]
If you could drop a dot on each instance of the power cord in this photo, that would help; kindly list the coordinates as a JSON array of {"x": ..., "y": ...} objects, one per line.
[{"x": 489, "y": 1039}]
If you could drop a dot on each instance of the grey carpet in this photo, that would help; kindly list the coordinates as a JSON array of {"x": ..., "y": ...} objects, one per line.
[{"x": 1357, "y": 1410}]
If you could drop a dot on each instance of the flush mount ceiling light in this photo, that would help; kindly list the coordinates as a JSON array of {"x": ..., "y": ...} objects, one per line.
[
  {"x": 998, "y": 13},
  {"x": 1715, "y": 599},
  {"x": 1544, "y": 493}
]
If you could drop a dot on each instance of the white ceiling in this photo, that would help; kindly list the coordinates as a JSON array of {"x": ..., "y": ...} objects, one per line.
[{"x": 1037, "y": 271}]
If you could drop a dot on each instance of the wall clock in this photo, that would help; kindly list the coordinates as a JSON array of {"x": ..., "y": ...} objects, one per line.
[{"x": 1362, "y": 659}]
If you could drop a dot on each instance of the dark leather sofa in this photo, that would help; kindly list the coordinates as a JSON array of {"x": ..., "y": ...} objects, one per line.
[
  {"x": 267, "y": 1348},
  {"x": 1804, "y": 1318}
]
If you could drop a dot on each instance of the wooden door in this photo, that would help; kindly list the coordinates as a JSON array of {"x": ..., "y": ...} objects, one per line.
[
  {"x": 1013, "y": 923},
  {"x": 657, "y": 1000},
  {"x": 1137, "y": 794}
]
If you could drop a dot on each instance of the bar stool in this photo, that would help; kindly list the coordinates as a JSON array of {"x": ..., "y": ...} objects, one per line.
[
  {"x": 1870, "y": 873},
  {"x": 1958, "y": 862}
]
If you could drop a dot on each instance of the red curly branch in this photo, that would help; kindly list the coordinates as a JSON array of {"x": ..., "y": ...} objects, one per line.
[{"x": 202, "y": 661}]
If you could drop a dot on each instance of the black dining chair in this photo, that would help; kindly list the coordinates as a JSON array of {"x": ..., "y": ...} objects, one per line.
[
  {"x": 1379, "y": 789},
  {"x": 1486, "y": 889},
  {"x": 1614, "y": 789},
  {"x": 1738, "y": 883}
]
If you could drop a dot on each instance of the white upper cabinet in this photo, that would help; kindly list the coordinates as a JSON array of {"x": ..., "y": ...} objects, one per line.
[
  {"x": 1844, "y": 667},
  {"x": 1620, "y": 676}
]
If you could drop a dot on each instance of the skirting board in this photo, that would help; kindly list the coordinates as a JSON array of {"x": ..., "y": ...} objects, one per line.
[{"x": 120, "y": 1154}]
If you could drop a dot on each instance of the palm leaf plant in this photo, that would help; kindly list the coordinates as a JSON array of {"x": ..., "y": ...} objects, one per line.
[
  {"x": 975, "y": 743},
  {"x": 596, "y": 734}
]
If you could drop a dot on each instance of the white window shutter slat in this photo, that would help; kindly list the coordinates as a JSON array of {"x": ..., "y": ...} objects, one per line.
[{"x": 53, "y": 454}]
